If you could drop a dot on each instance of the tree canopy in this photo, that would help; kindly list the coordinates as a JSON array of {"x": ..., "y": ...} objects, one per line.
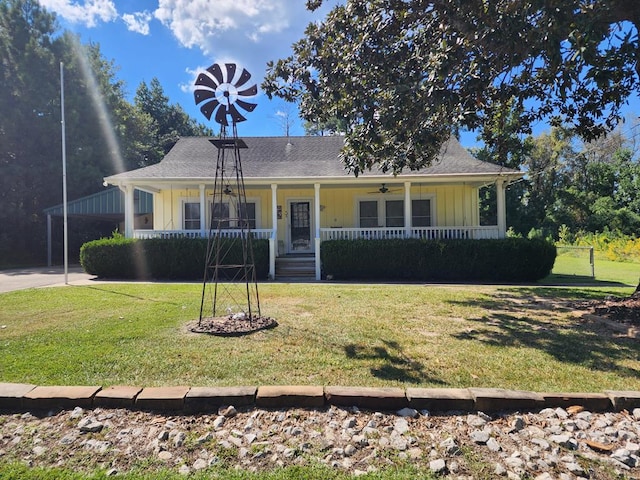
[
  {"x": 169, "y": 121},
  {"x": 571, "y": 185},
  {"x": 405, "y": 74},
  {"x": 105, "y": 133}
]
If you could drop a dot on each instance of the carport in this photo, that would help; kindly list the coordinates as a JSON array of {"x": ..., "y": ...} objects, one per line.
[{"x": 105, "y": 205}]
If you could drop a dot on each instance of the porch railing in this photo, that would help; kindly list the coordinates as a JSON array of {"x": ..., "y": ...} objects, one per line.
[
  {"x": 428, "y": 233},
  {"x": 261, "y": 233}
]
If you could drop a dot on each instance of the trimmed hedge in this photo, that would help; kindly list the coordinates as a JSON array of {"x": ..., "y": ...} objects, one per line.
[
  {"x": 170, "y": 259},
  {"x": 501, "y": 260}
]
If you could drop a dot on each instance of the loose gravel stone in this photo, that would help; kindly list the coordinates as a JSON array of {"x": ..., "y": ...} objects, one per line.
[
  {"x": 401, "y": 426},
  {"x": 219, "y": 422},
  {"x": 90, "y": 425},
  {"x": 437, "y": 466},
  {"x": 552, "y": 443},
  {"x": 165, "y": 455},
  {"x": 493, "y": 445},
  {"x": 39, "y": 450},
  {"x": 178, "y": 439},
  {"x": 408, "y": 412},
  {"x": 480, "y": 437}
]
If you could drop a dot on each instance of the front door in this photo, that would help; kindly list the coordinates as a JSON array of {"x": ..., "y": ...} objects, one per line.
[{"x": 300, "y": 227}]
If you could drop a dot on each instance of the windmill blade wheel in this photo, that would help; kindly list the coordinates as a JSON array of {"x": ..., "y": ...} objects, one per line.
[{"x": 223, "y": 94}]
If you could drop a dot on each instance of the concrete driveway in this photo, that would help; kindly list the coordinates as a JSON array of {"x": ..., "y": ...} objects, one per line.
[{"x": 23, "y": 278}]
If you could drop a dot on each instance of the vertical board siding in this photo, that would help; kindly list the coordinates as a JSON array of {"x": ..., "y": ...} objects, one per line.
[{"x": 455, "y": 205}]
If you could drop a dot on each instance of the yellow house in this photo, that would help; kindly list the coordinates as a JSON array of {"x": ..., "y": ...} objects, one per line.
[{"x": 299, "y": 195}]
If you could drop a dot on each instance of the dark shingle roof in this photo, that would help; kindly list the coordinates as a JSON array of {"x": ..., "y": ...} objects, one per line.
[{"x": 292, "y": 158}]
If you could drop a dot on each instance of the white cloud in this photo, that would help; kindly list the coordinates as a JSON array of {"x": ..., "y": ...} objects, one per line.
[
  {"x": 205, "y": 24},
  {"x": 192, "y": 74},
  {"x": 89, "y": 13},
  {"x": 138, "y": 22}
]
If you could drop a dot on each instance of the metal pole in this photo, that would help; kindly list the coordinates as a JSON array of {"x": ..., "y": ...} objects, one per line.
[
  {"x": 64, "y": 179},
  {"x": 49, "y": 262}
]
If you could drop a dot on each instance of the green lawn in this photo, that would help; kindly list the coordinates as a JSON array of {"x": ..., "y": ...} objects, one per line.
[
  {"x": 574, "y": 267},
  {"x": 22, "y": 472},
  {"x": 520, "y": 337},
  {"x": 328, "y": 334}
]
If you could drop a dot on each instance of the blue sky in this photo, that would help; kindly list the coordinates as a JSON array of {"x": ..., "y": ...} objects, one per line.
[{"x": 174, "y": 40}]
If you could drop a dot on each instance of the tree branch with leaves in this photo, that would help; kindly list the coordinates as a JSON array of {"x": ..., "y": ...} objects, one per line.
[{"x": 405, "y": 74}]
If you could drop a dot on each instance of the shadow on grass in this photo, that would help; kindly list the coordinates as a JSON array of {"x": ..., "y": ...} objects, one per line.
[
  {"x": 511, "y": 321},
  {"x": 396, "y": 365},
  {"x": 556, "y": 279},
  {"x": 135, "y": 297},
  {"x": 560, "y": 293}
]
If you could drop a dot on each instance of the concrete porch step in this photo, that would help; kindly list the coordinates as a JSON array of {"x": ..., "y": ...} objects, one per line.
[{"x": 296, "y": 266}]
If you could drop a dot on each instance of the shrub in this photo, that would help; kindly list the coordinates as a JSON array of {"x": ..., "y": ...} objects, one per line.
[
  {"x": 502, "y": 260},
  {"x": 610, "y": 244},
  {"x": 171, "y": 259}
]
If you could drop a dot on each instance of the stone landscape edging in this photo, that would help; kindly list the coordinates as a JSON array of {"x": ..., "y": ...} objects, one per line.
[{"x": 191, "y": 400}]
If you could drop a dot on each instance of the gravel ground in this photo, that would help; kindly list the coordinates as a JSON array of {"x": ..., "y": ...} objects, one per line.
[{"x": 550, "y": 444}]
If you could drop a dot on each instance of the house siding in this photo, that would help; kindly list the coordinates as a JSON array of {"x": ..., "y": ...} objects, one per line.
[{"x": 454, "y": 205}]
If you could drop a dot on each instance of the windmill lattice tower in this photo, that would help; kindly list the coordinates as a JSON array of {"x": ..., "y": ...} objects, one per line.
[{"x": 230, "y": 282}]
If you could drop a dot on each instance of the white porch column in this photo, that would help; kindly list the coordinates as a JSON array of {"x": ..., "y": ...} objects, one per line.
[
  {"x": 316, "y": 204},
  {"x": 203, "y": 211},
  {"x": 501, "y": 208},
  {"x": 129, "y": 210},
  {"x": 408, "y": 216},
  {"x": 273, "y": 241}
]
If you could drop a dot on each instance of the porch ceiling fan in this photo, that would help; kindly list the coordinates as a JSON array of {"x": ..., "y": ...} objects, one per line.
[{"x": 384, "y": 189}]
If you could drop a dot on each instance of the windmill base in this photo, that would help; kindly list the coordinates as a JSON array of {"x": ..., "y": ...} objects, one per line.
[{"x": 227, "y": 326}]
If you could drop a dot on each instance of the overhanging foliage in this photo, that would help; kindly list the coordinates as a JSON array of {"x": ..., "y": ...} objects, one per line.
[{"x": 404, "y": 74}]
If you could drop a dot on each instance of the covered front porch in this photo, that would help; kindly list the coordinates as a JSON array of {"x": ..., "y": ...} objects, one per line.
[{"x": 296, "y": 218}]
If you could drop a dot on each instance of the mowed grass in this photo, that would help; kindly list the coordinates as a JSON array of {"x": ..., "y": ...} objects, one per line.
[
  {"x": 574, "y": 266},
  {"x": 328, "y": 334},
  {"x": 23, "y": 472}
]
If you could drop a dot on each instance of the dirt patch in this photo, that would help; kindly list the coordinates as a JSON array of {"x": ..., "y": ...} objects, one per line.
[
  {"x": 618, "y": 314},
  {"x": 624, "y": 310},
  {"x": 231, "y": 325}
]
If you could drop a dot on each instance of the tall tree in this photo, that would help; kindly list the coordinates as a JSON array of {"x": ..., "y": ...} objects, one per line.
[
  {"x": 105, "y": 133},
  {"x": 510, "y": 150},
  {"x": 103, "y": 130},
  {"x": 405, "y": 73},
  {"x": 545, "y": 164},
  {"x": 29, "y": 124},
  {"x": 599, "y": 180},
  {"x": 584, "y": 186},
  {"x": 332, "y": 126},
  {"x": 170, "y": 121}
]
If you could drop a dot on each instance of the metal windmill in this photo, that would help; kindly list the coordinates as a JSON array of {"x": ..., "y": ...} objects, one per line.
[{"x": 229, "y": 287}]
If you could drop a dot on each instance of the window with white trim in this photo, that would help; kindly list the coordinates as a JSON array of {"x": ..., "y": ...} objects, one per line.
[
  {"x": 249, "y": 215},
  {"x": 220, "y": 215},
  {"x": 394, "y": 213},
  {"x": 389, "y": 212},
  {"x": 191, "y": 215},
  {"x": 421, "y": 213},
  {"x": 368, "y": 213},
  {"x": 229, "y": 214}
]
